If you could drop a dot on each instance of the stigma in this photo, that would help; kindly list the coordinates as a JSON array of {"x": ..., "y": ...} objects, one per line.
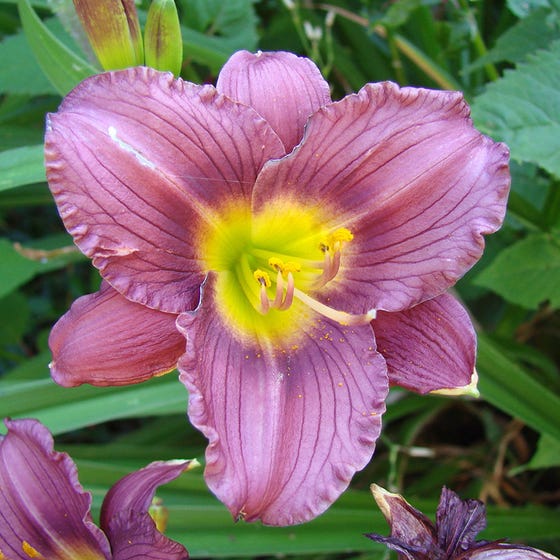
[{"x": 280, "y": 282}]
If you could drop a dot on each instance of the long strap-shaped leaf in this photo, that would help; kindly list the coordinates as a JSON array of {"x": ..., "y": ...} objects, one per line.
[
  {"x": 510, "y": 388},
  {"x": 63, "y": 68}
]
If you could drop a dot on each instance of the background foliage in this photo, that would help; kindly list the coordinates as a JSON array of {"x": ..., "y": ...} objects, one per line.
[{"x": 503, "y": 448}]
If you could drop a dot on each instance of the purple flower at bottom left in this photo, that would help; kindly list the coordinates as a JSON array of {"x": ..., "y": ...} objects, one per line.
[{"x": 45, "y": 512}]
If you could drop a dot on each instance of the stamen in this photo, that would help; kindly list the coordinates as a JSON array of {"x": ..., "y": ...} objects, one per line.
[
  {"x": 330, "y": 269},
  {"x": 279, "y": 290},
  {"x": 347, "y": 319},
  {"x": 281, "y": 266},
  {"x": 265, "y": 302},
  {"x": 264, "y": 280},
  {"x": 276, "y": 263},
  {"x": 289, "y": 297}
]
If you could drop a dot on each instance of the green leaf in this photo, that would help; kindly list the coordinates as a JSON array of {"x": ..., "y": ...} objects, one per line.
[
  {"x": 536, "y": 31},
  {"x": 16, "y": 269},
  {"x": 526, "y": 273},
  {"x": 19, "y": 72},
  {"x": 510, "y": 388},
  {"x": 14, "y": 314},
  {"x": 547, "y": 454},
  {"x": 523, "y": 109},
  {"x": 16, "y": 136},
  {"x": 62, "y": 67},
  {"x": 21, "y": 166},
  {"x": 63, "y": 410},
  {"x": 522, "y": 8},
  {"x": 217, "y": 29}
]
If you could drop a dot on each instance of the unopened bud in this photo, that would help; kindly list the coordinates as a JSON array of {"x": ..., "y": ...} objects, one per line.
[
  {"x": 162, "y": 37},
  {"x": 113, "y": 30}
]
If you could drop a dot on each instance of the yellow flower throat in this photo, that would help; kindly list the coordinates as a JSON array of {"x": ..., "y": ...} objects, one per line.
[{"x": 268, "y": 264}]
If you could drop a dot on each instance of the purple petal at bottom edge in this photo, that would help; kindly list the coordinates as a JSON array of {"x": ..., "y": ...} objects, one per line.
[
  {"x": 104, "y": 339},
  {"x": 44, "y": 510},
  {"x": 124, "y": 514},
  {"x": 287, "y": 426},
  {"x": 458, "y": 521},
  {"x": 504, "y": 551},
  {"x": 430, "y": 347}
]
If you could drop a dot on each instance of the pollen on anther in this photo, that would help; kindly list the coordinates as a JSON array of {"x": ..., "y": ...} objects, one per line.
[
  {"x": 262, "y": 278},
  {"x": 342, "y": 234}
]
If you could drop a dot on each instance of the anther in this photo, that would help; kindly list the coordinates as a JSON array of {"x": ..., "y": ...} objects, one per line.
[{"x": 264, "y": 280}]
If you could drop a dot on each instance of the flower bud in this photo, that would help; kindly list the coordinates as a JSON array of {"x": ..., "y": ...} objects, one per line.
[
  {"x": 113, "y": 31},
  {"x": 162, "y": 37}
]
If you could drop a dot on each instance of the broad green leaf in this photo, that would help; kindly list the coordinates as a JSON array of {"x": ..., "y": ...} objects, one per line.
[
  {"x": 536, "y": 31},
  {"x": 62, "y": 67},
  {"x": 21, "y": 166},
  {"x": 547, "y": 454},
  {"x": 216, "y": 29},
  {"x": 523, "y": 109},
  {"x": 235, "y": 20},
  {"x": 399, "y": 12},
  {"x": 510, "y": 388},
  {"x": 522, "y": 8},
  {"x": 526, "y": 273}
]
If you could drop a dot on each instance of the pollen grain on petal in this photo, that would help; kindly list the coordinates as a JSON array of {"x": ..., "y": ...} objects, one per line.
[{"x": 30, "y": 551}]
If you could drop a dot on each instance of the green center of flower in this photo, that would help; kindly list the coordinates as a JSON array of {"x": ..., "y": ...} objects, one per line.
[{"x": 271, "y": 265}]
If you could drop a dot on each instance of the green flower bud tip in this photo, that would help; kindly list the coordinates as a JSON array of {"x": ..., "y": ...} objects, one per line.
[{"x": 162, "y": 37}]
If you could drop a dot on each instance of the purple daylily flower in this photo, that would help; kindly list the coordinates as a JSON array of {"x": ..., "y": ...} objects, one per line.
[
  {"x": 45, "y": 513},
  {"x": 458, "y": 522},
  {"x": 309, "y": 224}
]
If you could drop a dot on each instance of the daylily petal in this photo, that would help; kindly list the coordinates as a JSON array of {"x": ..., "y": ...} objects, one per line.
[
  {"x": 288, "y": 426},
  {"x": 125, "y": 519},
  {"x": 44, "y": 510},
  {"x": 137, "y": 161},
  {"x": 282, "y": 87},
  {"x": 406, "y": 172},
  {"x": 458, "y": 522},
  {"x": 429, "y": 347},
  {"x": 411, "y": 530},
  {"x": 104, "y": 339},
  {"x": 504, "y": 551}
]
